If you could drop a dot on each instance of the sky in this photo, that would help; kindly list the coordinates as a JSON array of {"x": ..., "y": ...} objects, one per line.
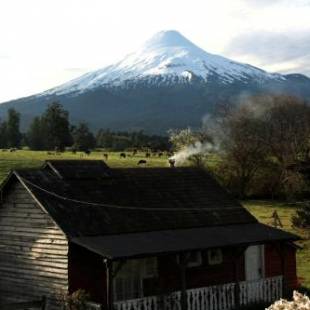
[{"x": 44, "y": 43}]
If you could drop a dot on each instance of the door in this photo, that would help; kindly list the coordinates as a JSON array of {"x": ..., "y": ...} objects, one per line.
[{"x": 254, "y": 262}]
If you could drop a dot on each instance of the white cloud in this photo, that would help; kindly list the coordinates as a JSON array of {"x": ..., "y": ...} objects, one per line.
[
  {"x": 41, "y": 41},
  {"x": 286, "y": 52}
]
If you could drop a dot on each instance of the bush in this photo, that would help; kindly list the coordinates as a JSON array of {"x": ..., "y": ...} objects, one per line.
[
  {"x": 76, "y": 301},
  {"x": 300, "y": 301},
  {"x": 302, "y": 217}
]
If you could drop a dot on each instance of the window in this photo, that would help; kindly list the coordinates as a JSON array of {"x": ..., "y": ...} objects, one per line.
[
  {"x": 215, "y": 257},
  {"x": 127, "y": 288},
  {"x": 193, "y": 259},
  {"x": 150, "y": 267},
  {"x": 129, "y": 282}
]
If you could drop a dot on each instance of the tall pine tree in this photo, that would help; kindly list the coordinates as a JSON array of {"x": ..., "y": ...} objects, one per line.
[
  {"x": 13, "y": 134},
  {"x": 56, "y": 127},
  {"x": 3, "y": 137},
  {"x": 83, "y": 138},
  {"x": 35, "y": 135}
]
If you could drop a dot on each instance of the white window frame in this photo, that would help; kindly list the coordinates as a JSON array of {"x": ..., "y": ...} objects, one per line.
[
  {"x": 132, "y": 274},
  {"x": 218, "y": 259}
]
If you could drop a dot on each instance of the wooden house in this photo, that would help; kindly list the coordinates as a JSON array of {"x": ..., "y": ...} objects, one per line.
[{"x": 136, "y": 238}]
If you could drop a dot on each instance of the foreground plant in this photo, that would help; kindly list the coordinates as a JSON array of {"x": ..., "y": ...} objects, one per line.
[
  {"x": 300, "y": 302},
  {"x": 76, "y": 301}
]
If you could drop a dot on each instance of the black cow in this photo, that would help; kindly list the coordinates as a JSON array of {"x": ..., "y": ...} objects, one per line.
[{"x": 142, "y": 162}]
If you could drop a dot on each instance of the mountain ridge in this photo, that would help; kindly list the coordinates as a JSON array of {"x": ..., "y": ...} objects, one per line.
[{"x": 168, "y": 83}]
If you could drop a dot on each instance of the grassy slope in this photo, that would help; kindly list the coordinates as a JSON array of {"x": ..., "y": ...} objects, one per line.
[{"x": 262, "y": 210}]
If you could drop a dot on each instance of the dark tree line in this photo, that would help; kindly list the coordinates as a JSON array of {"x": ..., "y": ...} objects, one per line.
[
  {"x": 53, "y": 131},
  {"x": 124, "y": 140}
]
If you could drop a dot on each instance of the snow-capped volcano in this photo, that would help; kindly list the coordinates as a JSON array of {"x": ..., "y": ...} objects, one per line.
[
  {"x": 170, "y": 56},
  {"x": 167, "y": 83}
]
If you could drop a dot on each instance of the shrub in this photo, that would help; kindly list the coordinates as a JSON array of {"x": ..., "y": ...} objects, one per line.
[
  {"x": 302, "y": 217},
  {"x": 76, "y": 301},
  {"x": 300, "y": 301}
]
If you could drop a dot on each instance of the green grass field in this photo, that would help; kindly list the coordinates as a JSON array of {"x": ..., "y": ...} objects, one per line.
[
  {"x": 261, "y": 209},
  {"x": 32, "y": 159}
]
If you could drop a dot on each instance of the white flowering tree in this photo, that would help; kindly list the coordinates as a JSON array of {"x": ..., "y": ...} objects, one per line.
[{"x": 300, "y": 302}]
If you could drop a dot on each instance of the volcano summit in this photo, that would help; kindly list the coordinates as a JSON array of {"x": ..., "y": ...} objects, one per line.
[{"x": 168, "y": 83}]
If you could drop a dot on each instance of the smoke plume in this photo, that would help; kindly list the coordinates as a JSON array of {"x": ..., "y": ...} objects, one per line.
[{"x": 194, "y": 149}]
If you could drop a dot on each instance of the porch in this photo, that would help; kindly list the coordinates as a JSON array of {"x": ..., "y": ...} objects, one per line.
[{"x": 217, "y": 297}]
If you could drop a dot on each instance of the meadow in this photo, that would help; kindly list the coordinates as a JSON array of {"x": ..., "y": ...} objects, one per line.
[
  {"x": 261, "y": 209},
  {"x": 32, "y": 159}
]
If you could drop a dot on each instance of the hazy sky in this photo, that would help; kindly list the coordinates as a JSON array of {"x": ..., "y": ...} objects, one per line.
[{"x": 44, "y": 43}]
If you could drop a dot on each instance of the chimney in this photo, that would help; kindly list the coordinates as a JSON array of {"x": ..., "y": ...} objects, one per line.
[{"x": 171, "y": 162}]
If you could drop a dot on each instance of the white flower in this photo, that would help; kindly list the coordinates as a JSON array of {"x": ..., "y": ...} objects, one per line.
[{"x": 300, "y": 302}]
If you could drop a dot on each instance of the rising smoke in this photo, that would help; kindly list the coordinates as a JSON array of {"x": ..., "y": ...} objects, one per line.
[{"x": 197, "y": 148}]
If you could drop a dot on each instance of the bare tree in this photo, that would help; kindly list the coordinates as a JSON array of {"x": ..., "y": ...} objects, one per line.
[
  {"x": 243, "y": 152},
  {"x": 287, "y": 129},
  {"x": 266, "y": 129}
]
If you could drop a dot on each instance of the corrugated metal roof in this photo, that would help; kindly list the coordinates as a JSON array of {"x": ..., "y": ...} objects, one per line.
[{"x": 79, "y": 169}]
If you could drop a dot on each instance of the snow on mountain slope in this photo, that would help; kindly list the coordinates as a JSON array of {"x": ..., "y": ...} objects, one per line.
[{"x": 173, "y": 58}]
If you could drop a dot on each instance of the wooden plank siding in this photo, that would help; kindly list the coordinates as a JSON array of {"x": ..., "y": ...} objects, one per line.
[
  {"x": 273, "y": 264},
  {"x": 33, "y": 251}
]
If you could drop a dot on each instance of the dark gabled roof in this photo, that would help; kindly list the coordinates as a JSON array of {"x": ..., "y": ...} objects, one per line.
[
  {"x": 169, "y": 241},
  {"x": 131, "y": 200},
  {"x": 78, "y": 169}
]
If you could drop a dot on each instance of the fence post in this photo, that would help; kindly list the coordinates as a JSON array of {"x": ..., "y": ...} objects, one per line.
[
  {"x": 44, "y": 303},
  {"x": 237, "y": 295}
]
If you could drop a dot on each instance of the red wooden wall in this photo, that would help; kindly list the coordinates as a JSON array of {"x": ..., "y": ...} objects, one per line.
[
  {"x": 274, "y": 264},
  {"x": 87, "y": 271},
  {"x": 204, "y": 275}
]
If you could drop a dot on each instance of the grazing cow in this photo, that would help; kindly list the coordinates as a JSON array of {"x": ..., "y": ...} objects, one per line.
[
  {"x": 134, "y": 152},
  {"x": 87, "y": 152},
  {"x": 122, "y": 155},
  {"x": 147, "y": 155},
  {"x": 142, "y": 162},
  {"x": 106, "y": 156}
]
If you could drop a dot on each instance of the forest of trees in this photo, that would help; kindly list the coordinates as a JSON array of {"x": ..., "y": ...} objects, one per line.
[
  {"x": 259, "y": 146},
  {"x": 53, "y": 131}
]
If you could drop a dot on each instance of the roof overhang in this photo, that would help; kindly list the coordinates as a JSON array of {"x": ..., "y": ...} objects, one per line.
[{"x": 172, "y": 241}]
